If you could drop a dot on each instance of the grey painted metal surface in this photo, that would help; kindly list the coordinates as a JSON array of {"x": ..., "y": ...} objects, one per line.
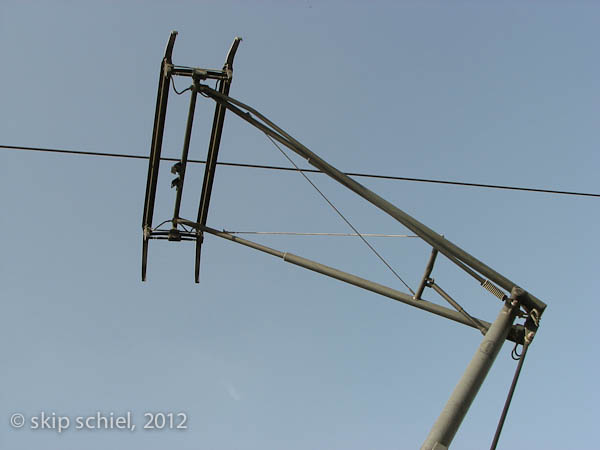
[
  {"x": 437, "y": 241},
  {"x": 516, "y": 332},
  {"x": 458, "y": 404},
  {"x": 426, "y": 275},
  {"x": 456, "y": 306}
]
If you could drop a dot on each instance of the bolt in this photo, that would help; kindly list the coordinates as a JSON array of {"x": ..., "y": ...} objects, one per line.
[{"x": 529, "y": 336}]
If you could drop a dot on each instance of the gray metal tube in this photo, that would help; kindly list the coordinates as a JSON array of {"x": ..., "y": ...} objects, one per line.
[
  {"x": 459, "y": 308},
  {"x": 428, "y": 270},
  {"x": 458, "y": 404},
  {"x": 352, "y": 279},
  {"x": 427, "y": 234}
]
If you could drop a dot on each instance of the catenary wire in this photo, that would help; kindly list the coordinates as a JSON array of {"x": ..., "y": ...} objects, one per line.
[
  {"x": 293, "y": 169},
  {"x": 339, "y": 213}
]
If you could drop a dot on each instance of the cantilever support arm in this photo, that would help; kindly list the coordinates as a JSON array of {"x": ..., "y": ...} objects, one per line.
[
  {"x": 516, "y": 334},
  {"x": 444, "y": 246}
]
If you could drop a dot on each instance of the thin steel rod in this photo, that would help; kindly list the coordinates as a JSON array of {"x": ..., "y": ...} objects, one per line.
[
  {"x": 165, "y": 238},
  {"x": 294, "y": 233},
  {"x": 511, "y": 391},
  {"x": 344, "y": 218},
  {"x": 476, "y": 323},
  {"x": 351, "y": 279},
  {"x": 195, "y": 71},
  {"x": 437, "y": 241},
  {"x": 464, "y": 393},
  {"x": 428, "y": 270}
]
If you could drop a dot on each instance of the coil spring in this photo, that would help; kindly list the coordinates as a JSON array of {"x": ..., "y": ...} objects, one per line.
[{"x": 495, "y": 290}]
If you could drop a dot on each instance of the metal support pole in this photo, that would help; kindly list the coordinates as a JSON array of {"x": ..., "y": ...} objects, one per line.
[{"x": 458, "y": 404}]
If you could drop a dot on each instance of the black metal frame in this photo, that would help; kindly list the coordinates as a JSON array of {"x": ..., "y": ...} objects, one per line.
[
  {"x": 211, "y": 159},
  {"x": 167, "y": 71}
]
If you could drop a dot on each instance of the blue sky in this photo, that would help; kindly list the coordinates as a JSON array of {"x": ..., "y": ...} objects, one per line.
[{"x": 261, "y": 354}]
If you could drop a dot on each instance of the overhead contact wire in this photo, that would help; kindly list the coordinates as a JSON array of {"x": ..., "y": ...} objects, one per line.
[{"x": 271, "y": 167}]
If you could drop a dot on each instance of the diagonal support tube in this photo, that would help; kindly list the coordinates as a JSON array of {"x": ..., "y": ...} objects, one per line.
[
  {"x": 428, "y": 270},
  {"x": 459, "y": 308}
]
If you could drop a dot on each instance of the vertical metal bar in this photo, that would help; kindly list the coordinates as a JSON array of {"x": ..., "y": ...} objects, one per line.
[
  {"x": 155, "y": 148},
  {"x": 213, "y": 151},
  {"x": 428, "y": 270},
  {"x": 211, "y": 160},
  {"x": 209, "y": 174},
  {"x": 157, "y": 133},
  {"x": 184, "y": 153},
  {"x": 456, "y": 408}
]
